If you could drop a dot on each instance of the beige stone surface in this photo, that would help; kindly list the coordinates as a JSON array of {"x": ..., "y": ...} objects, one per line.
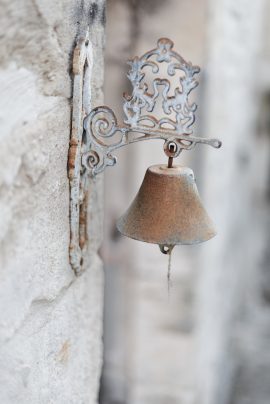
[{"x": 51, "y": 321}]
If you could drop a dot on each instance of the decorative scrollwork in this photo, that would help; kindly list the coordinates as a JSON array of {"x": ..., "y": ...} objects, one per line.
[
  {"x": 100, "y": 125},
  {"x": 142, "y": 99},
  {"x": 175, "y": 127}
]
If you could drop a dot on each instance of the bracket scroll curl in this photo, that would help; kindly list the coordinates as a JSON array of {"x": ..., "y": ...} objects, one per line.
[{"x": 103, "y": 135}]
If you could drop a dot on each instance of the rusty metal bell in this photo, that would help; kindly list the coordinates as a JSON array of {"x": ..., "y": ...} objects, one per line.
[{"x": 167, "y": 210}]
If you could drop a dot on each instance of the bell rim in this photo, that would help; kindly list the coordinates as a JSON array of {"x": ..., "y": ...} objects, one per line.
[{"x": 165, "y": 242}]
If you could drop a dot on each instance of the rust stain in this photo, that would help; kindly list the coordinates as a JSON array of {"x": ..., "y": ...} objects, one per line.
[
  {"x": 77, "y": 57},
  {"x": 83, "y": 222},
  {"x": 63, "y": 354},
  {"x": 72, "y": 157}
]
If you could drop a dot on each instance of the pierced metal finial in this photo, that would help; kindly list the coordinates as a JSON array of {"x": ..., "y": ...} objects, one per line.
[{"x": 150, "y": 94}]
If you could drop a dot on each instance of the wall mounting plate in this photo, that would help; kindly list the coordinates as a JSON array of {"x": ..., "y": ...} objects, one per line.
[{"x": 78, "y": 176}]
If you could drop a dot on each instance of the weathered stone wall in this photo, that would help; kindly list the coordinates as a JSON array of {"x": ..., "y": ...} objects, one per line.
[{"x": 50, "y": 323}]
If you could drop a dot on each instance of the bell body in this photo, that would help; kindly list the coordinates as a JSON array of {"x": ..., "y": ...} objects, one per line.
[{"x": 167, "y": 209}]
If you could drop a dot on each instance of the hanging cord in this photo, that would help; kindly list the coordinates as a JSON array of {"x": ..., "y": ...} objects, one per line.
[
  {"x": 169, "y": 271},
  {"x": 167, "y": 249}
]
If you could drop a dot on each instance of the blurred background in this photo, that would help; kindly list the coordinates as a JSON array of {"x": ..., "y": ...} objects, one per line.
[{"x": 208, "y": 342}]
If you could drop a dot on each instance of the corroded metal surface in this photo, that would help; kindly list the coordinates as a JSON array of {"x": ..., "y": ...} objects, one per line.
[
  {"x": 167, "y": 210},
  {"x": 149, "y": 95},
  {"x": 78, "y": 177}
]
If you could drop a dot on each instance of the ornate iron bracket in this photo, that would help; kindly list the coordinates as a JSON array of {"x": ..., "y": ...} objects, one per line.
[
  {"x": 95, "y": 133},
  {"x": 150, "y": 94}
]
